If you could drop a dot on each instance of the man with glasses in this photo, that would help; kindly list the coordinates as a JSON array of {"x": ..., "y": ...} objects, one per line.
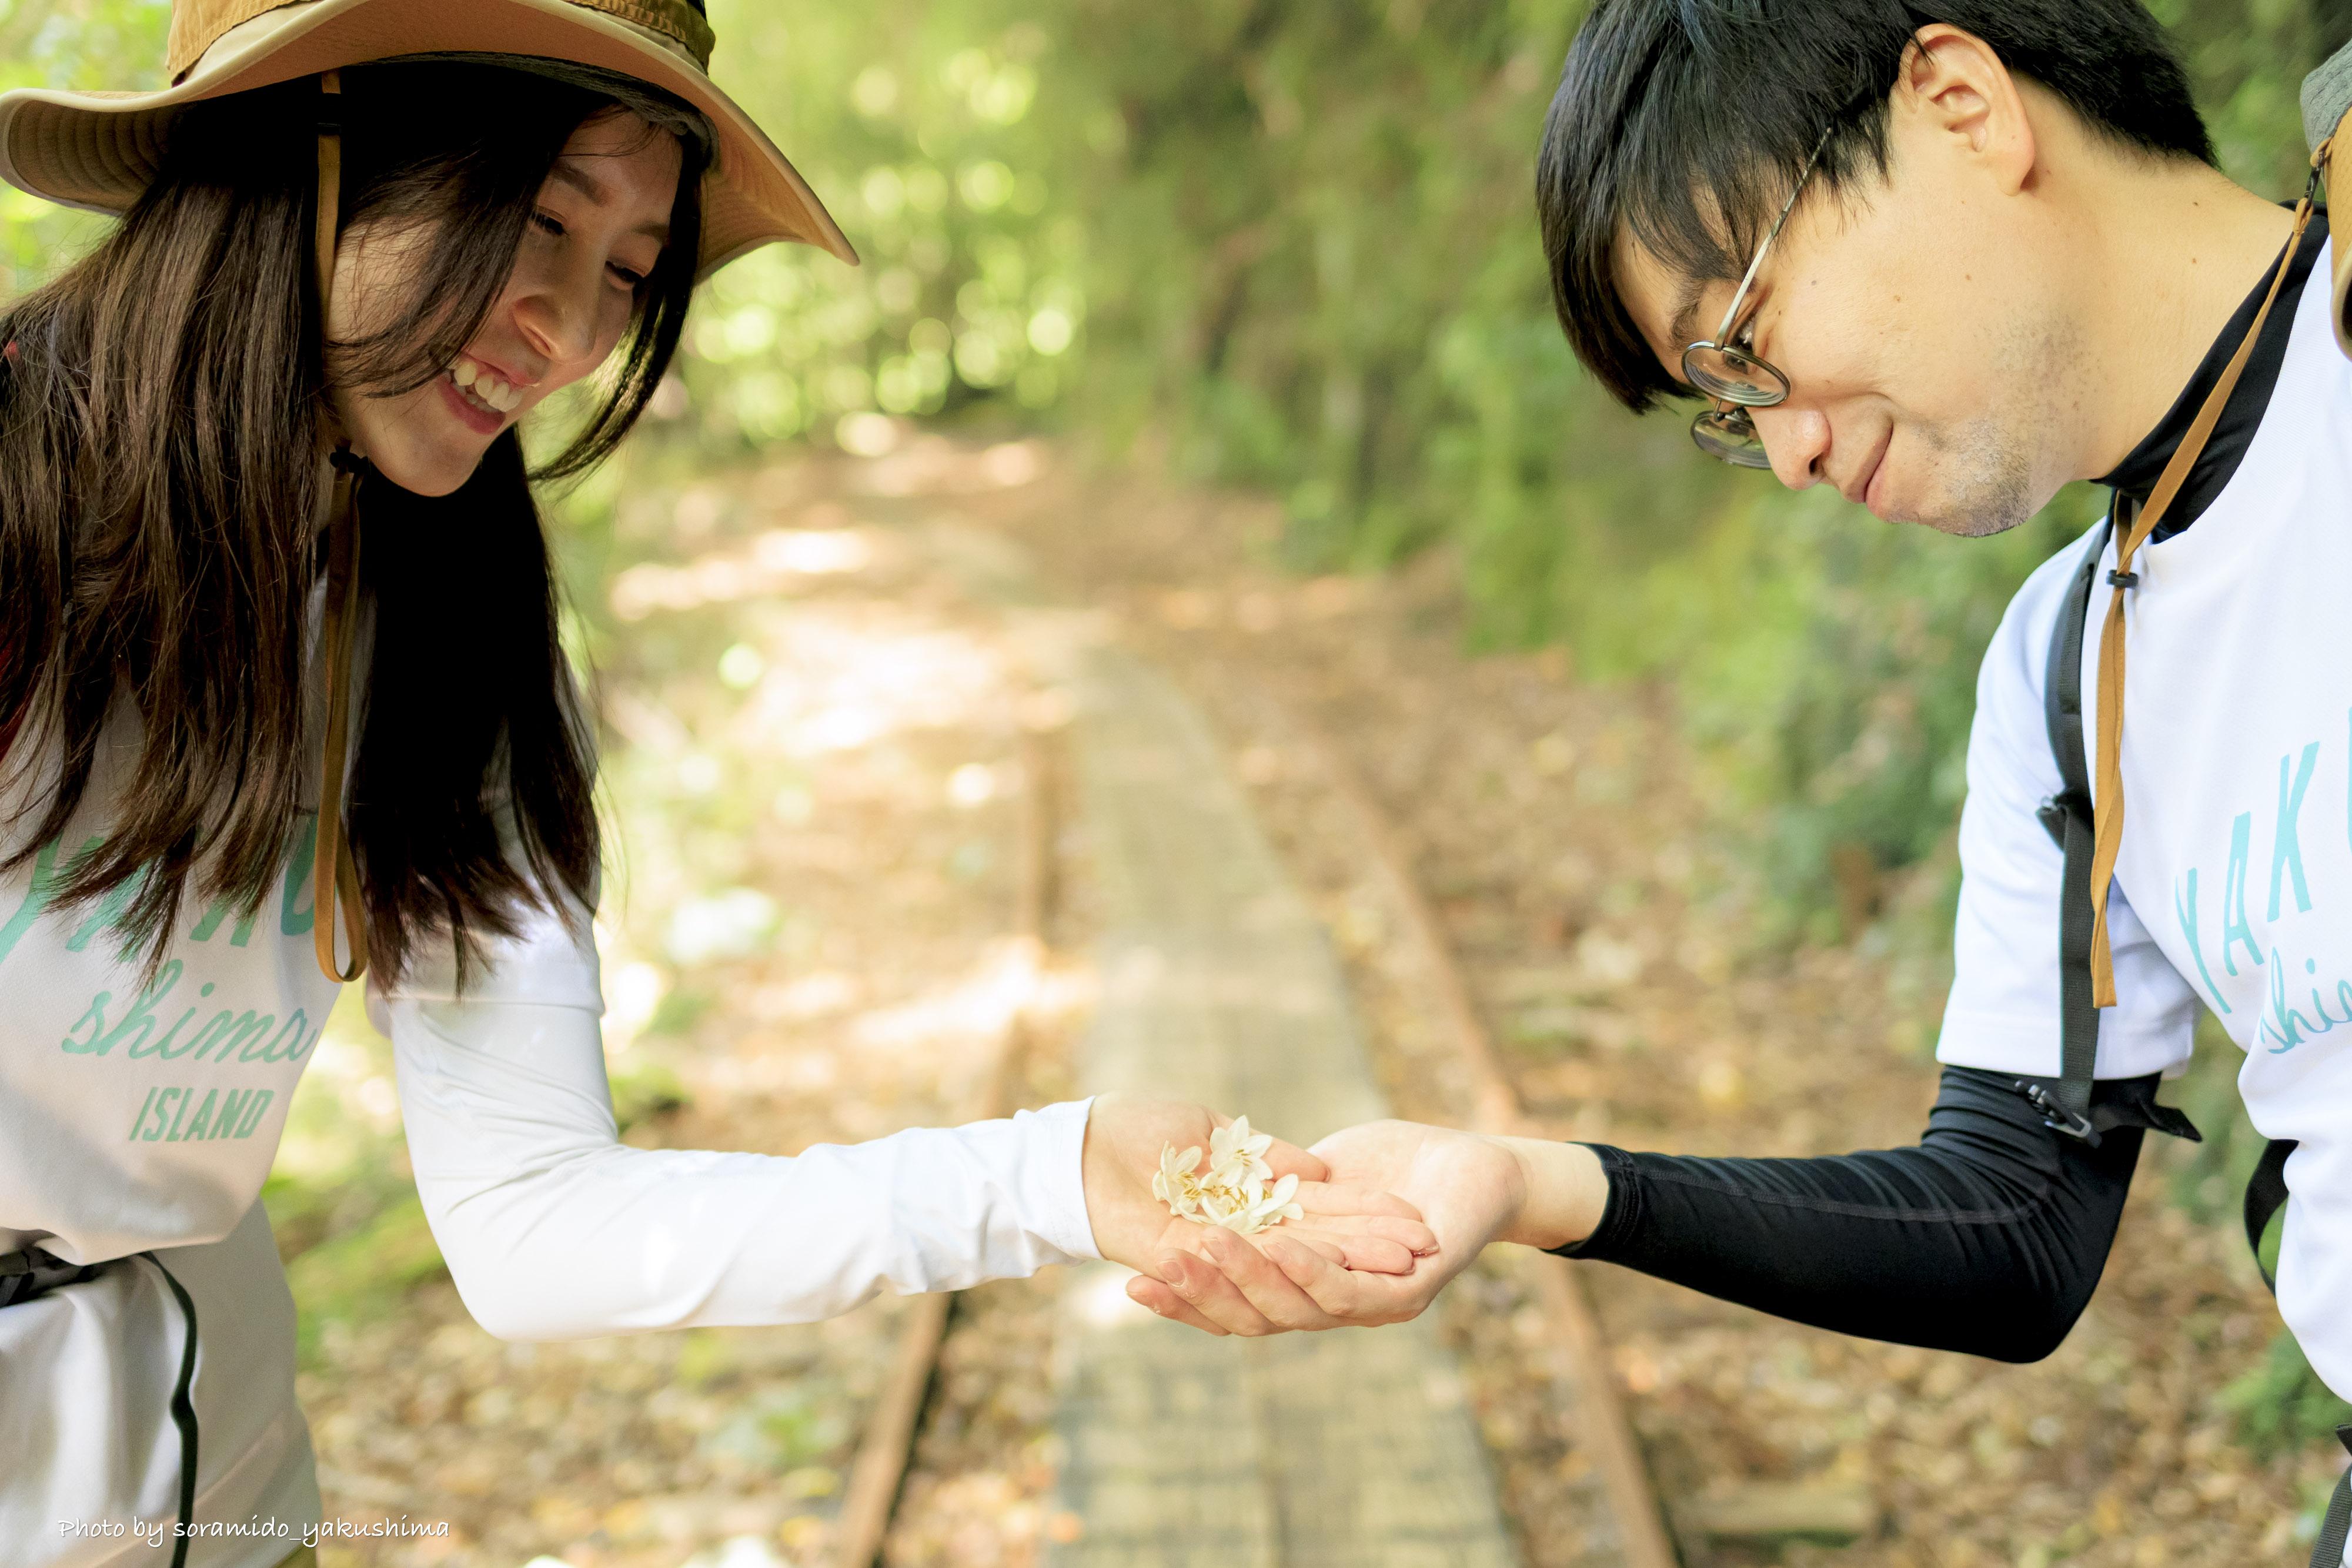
[{"x": 1949, "y": 256}]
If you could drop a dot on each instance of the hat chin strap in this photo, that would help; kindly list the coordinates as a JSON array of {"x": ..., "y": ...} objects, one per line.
[{"x": 334, "y": 880}]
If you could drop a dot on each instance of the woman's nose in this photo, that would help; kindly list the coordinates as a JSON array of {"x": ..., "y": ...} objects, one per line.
[
  {"x": 558, "y": 318},
  {"x": 1796, "y": 439}
]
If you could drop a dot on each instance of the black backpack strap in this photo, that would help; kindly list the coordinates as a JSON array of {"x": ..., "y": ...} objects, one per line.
[
  {"x": 2327, "y": 1551},
  {"x": 2067, "y": 1101},
  {"x": 184, "y": 1414},
  {"x": 2266, "y": 1196}
]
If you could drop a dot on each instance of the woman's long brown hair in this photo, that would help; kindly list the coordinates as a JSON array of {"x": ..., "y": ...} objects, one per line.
[{"x": 163, "y": 413}]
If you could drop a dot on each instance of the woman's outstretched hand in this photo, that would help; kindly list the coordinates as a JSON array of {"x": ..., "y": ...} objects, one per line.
[
  {"x": 1347, "y": 1226},
  {"x": 1471, "y": 1189}
]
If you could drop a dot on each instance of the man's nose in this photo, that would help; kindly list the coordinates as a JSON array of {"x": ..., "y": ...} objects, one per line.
[{"x": 1796, "y": 440}]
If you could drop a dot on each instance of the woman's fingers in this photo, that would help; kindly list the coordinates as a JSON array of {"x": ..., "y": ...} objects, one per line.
[
  {"x": 1266, "y": 1289},
  {"x": 1365, "y": 1254},
  {"x": 1203, "y": 1279},
  {"x": 1159, "y": 1297},
  {"x": 1286, "y": 1282},
  {"x": 1335, "y": 1249},
  {"x": 1202, "y": 1285},
  {"x": 1289, "y": 1159},
  {"x": 1349, "y": 1197},
  {"x": 1410, "y": 1234},
  {"x": 1343, "y": 1295},
  {"x": 1348, "y": 1246}
]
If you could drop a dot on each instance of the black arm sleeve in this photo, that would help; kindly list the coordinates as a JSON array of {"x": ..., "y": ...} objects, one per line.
[{"x": 1988, "y": 1237}]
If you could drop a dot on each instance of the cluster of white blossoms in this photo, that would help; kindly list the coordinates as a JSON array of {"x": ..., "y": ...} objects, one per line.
[{"x": 1233, "y": 1191}]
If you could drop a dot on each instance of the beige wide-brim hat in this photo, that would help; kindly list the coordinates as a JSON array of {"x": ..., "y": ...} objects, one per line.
[{"x": 99, "y": 150}]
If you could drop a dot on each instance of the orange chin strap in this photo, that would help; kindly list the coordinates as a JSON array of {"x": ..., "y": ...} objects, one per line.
[{"x": 334, "y": 879}]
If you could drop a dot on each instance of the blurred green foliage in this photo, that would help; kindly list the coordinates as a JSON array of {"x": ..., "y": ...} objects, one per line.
[
  {"x": 69, "y": 43},
  {"x": 915, "y": 124},
  {"x": 359, "y": 1276},
  {"x": 2281, "y": 1407}
]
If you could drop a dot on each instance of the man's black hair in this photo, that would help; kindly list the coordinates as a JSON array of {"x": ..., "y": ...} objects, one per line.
[{"x": 1690, "y": 120}]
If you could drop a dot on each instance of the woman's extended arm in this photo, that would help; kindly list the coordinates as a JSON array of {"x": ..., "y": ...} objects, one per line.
[{"x": 555, "y": 1230}]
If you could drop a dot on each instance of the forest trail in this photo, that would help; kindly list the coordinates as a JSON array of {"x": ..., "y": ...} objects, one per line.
[
  {"x": 818, "y": 675},
  {"x": 1217, "y": 982}
]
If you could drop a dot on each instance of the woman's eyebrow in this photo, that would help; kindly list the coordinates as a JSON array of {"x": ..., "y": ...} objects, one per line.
[
  {"x": 580, "y": 180},
  {"x": 569, "y": 173}
]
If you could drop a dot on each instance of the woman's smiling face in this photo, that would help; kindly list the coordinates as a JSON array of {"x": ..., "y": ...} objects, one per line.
[{"x": 599, "y": 225}]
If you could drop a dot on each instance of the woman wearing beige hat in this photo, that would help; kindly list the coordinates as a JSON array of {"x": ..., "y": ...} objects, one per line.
[{"x": 269, "y": 547}]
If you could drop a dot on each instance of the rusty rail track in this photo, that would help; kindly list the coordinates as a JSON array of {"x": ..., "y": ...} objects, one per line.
[
  {"x": 1496, "y": 1107},
  {"x": 880, "y": 1469}
]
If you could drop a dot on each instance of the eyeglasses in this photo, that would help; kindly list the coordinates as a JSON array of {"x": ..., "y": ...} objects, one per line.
[{"x": 1734, "y": 375}]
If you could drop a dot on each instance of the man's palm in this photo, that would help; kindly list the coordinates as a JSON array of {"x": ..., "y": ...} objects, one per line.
[{"x": 1466, "y": 1187}]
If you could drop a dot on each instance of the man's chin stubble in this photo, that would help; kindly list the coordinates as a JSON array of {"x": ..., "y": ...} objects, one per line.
[
  {"x": 1992, "y": 460},
  {"x": 1991, "y": 490}
]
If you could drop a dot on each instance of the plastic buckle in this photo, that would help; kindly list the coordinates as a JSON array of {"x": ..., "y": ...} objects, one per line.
[
  {"x": 2056, "y": 1116},
  {"x": 2056, "y": 811}
]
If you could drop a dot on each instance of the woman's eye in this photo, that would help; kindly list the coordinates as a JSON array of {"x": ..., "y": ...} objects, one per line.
[{"x": 627, "y": 278}]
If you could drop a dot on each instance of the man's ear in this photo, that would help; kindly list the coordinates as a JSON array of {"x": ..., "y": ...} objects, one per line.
[{"x": 1957, "y": 90}]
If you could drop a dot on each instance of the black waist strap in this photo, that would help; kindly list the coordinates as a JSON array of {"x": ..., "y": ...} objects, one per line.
[{"x": 32, "y": 1271}]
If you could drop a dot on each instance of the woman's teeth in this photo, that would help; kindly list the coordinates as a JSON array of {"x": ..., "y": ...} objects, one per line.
[{"x": 483, "y": 387}]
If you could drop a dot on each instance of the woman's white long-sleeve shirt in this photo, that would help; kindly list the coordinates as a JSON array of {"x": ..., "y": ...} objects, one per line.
[
  {"x": 555, "y": 1229},
  {"x": 138, "y": 1116}
]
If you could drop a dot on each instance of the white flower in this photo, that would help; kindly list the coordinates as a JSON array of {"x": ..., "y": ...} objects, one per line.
[
  {"x": 1174, "y": 1184},
  {"x": 1236, "y": 1155},
  {"x": 1233, "y": 1192},
  {"x": 1271, "y": 1206}
]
